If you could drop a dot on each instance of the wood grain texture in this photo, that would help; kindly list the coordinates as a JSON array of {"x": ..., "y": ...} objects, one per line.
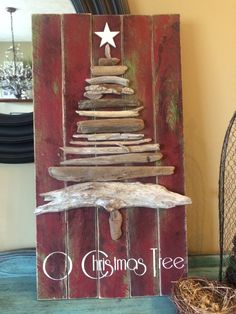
[
  {"x": 110, "y": 114},
  {"x": 110, "y": 150},
  {"x": 81, "y": 237},
  {"x": 108, "y": 70},
  {"x": 110, "y": 173},
  {"x": 143, "y": 225},
  {"x": 51, "y": 229},
  {"x": 108, "y": 61},
  {"x": 109, "y": 103},
  {"x": 135, "y": 158},
  {"x": 169, "y": 122},
  {"x": 110, "y": 136},
  {"x": 110, "y": 125},
  {"x": 115, "y": 222},
  {"x": 110, "y": 89},
  {"x": 112, "y": 143},
  {"x": 111, "y": 196},
  {"x": 118, "y": 284},
  {"x": 108, "y": 80}
]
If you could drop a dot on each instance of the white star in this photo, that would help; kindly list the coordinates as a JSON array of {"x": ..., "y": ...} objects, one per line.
[{"x": 107, "y": 36}]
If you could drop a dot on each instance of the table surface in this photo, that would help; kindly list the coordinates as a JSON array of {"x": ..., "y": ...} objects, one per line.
[{"x": 18, "y": 290}]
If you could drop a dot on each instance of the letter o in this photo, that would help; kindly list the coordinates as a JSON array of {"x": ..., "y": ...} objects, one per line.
[{"x": 45, "y": 261}]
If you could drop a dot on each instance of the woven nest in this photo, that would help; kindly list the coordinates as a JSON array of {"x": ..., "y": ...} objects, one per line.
[{"x": 196, "y": 295}]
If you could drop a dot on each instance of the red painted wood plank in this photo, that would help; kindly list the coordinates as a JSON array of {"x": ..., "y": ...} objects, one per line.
[
  {"x": 143, "y": 227},
  {"x": 169, "y": 123},
  {"x": 81, "y": 237},
  {"x": 51, "y": 228},
  {"x": 116, "y": 284}
]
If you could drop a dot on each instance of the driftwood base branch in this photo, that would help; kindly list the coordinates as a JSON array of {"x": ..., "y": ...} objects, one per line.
[{"x": 112, "y": 197}]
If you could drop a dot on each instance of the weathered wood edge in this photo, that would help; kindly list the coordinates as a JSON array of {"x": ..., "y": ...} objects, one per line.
[
  {"x": 107, "y": 173},
  {"x": 115, "y": 159}
]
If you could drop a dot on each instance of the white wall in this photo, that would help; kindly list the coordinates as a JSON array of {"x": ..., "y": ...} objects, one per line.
[
  {"x": 17, "y": 187},
  {"x": 17, "y": 196}
]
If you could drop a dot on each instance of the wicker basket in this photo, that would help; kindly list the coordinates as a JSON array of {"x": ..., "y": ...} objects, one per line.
[{"x": 198, "y": 295}]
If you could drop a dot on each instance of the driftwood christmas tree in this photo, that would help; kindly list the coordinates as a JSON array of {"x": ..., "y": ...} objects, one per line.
[
  {"x": 129, "y": 116},
  {"x": 106, "y": 81}
]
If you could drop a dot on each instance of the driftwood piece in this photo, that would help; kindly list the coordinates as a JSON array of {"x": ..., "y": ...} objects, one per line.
[
  {"x": 110, "y": 114},
  {"x": 111, "y": 143},
  {"x": 108, "y": 70},
  {"x": 115, "y": 222},
  {"x": 109, "y": 89},
  {"x": 110, "y": 136},
  {"x": 109, "y": 173},
  {"x": 109, "y": 103},
  {"x": 111, "y": 196},
  {"x": 110, "y": 150},
  {"x": 108, "y": 80},
  {"x": 96, "y": 91},
  {"x": 108, "y": 61},
  {"x": 93, "y": 96},
  {"x": 110, "y": 125},
  {"x": 114, "y": 159}
]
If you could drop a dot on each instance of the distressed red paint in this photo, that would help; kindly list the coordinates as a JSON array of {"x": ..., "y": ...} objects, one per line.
[
  {"x": 169, "y": 123},
  {"x": 143, "y": 227},
  {"x": 51, "y": 228},
  {"x": 80, "y": 222}
]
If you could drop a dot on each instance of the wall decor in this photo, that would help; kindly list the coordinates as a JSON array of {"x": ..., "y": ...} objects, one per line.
[{"x": 107, "y": 91}]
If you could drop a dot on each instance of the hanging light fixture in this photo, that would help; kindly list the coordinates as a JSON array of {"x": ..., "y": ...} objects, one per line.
[{"x": 15, "y": 73}]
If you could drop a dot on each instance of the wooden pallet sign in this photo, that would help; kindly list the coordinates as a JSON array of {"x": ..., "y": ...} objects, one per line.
[{"x": 109, "y": 156}]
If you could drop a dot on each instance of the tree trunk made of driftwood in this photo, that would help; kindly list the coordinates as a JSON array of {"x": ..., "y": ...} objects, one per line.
[
  {"x": 115, "y": 222},
  {"x": 107, "y": 173},
  {"x": 136, "y": 158},
  {"x": 110, "y": 125}
]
